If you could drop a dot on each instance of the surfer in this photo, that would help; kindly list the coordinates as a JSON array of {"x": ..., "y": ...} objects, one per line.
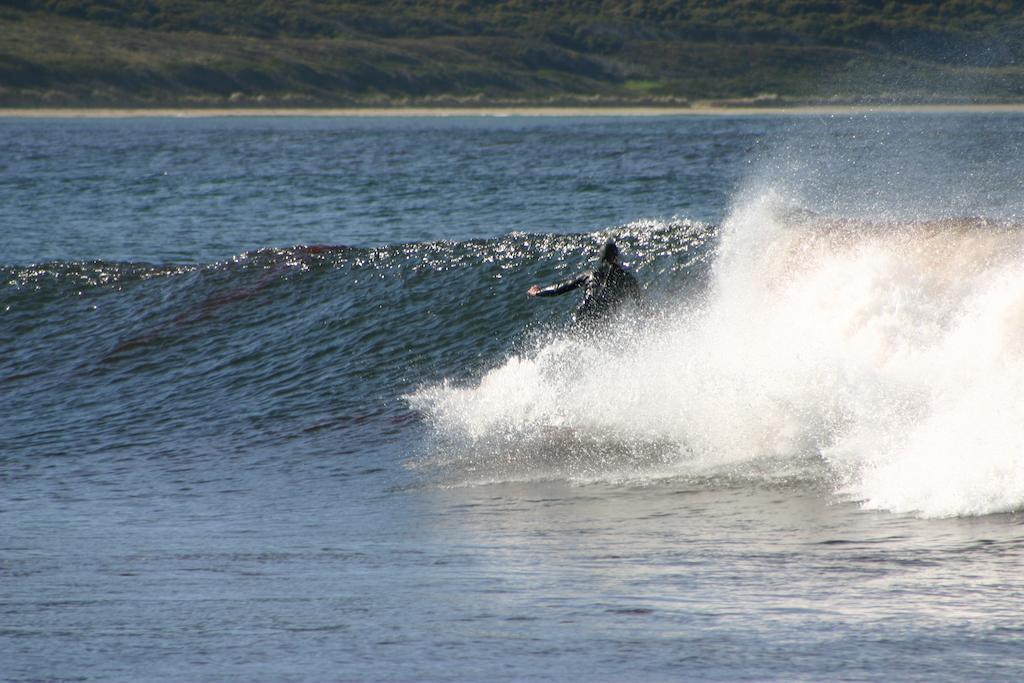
[{"x": 606, "y": 288}]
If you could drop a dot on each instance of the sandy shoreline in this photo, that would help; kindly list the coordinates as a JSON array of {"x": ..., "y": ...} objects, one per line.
[{"x": 113, "y": 113}]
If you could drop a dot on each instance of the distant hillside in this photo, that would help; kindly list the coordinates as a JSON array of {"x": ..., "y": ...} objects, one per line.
[{"x": 335, "y": 52}]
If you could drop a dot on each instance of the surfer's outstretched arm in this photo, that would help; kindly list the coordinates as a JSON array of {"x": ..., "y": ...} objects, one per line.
[{"x": 561, "y": 288}]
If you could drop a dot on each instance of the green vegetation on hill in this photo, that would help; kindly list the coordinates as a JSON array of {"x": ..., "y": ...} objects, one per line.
[{"x": 352, "y": 52}]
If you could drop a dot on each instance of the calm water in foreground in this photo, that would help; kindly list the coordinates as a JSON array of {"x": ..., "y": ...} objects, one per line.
[{"x": 275, "y": 406}]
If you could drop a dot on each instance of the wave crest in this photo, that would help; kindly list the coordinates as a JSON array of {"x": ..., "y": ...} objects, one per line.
[{"x": 884, "y": 357}]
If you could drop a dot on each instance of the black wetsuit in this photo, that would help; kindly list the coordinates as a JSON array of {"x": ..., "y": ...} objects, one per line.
[{"x": 606, "y": 289}]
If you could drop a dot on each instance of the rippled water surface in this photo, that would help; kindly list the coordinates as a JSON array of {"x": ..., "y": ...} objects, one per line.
[{"x": 276, "y": 406}]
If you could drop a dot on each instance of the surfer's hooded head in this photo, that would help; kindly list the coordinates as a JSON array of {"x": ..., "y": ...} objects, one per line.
[{"x": 609, "y": 252}]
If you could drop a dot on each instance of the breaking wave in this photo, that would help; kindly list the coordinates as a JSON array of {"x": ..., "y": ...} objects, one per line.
[{"x": 880, "y": 359}]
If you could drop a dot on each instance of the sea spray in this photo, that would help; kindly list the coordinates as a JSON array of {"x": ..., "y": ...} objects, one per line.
[{"x": 883, "y": 356}]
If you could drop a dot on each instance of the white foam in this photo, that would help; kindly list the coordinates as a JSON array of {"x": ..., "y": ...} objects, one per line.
[{"x": 891, "y": 354}]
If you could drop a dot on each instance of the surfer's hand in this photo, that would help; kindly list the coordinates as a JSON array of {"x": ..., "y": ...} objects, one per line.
[{"x": 533, "y": 291}]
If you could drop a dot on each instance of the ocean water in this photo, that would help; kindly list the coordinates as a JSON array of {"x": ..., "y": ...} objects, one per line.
[{"x": 274, "y": 405}]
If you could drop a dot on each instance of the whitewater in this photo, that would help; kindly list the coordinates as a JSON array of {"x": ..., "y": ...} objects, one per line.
[{"x": 884, "y": 357}]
